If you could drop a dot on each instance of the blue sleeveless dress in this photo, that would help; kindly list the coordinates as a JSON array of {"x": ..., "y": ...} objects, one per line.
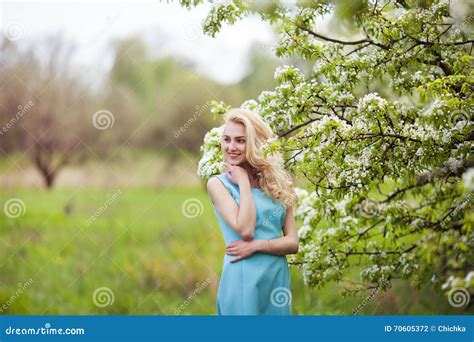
[{"x": 259, "y": 284}]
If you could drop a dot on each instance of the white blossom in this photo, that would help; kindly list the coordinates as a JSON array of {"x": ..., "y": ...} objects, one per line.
[
  {"x": 468, "y": 179},
  {"x": 372, "y": 102}
]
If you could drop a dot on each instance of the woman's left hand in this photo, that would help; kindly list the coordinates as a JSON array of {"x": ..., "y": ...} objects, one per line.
[{"x": 241, "y": 249}]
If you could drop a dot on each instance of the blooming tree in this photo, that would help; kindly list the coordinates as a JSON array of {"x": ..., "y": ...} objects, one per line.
[{"x": 381, "y": 132}]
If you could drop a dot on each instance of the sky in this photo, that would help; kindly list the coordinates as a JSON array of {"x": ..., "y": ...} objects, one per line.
[{"x": 166, "y": 27}]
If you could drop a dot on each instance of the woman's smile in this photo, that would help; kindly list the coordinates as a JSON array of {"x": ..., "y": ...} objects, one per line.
[{"x": 233, "y": 156}]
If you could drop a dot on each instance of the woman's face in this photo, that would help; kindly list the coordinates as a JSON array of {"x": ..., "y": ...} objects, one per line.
[{"x": 234, "y": 143}]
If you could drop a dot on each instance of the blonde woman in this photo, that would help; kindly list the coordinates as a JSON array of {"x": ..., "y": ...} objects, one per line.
[{"x": 253, "y": 201}]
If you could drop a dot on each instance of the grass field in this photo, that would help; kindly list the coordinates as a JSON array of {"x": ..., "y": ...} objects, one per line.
[{"x": 154, "y": 259}]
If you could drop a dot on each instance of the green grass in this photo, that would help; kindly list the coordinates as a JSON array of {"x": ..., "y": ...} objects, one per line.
[{"x": 148, "y": 253}]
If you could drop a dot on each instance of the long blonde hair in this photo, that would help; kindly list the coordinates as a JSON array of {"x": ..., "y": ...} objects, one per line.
[{"x": 270, "y": 173}]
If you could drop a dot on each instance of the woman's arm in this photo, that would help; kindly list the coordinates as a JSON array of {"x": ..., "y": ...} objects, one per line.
[
  {"x": 287, "y": 244},
  {"x": 241, "y": 219}
]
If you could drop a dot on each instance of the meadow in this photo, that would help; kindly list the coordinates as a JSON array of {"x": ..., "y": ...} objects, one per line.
[{"x": 158, "y": 251}]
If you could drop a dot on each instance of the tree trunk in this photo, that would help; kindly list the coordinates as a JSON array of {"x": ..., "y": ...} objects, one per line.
[{"x": 49, "y": 179}]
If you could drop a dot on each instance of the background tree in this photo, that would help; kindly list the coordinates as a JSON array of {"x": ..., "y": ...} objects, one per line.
[
  {"x": 169, "y": 96},
  {"x": 380, "y": 131},
  {"x": 43, "y": 102}
]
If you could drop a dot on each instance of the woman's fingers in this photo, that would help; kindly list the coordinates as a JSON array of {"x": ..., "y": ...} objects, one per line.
[
  {"x": 236, "y": 259},
  {"x": 233, "y": 249}
]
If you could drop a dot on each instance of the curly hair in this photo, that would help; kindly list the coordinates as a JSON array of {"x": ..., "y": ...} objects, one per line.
[{"x": 269, "y": 171}]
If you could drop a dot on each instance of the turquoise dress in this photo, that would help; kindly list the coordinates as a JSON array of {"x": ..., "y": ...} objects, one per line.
[{"x": 259, "y": 284}]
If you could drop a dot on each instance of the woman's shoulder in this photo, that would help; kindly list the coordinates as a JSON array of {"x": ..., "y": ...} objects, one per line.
[
  {"x": 212, "y": 181},
  {"x": 215, "y": 180},
  {"x": 219, "y": 184}
]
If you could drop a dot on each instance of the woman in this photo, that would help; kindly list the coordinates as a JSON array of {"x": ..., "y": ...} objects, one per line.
[{"x": 253, "y": 201}]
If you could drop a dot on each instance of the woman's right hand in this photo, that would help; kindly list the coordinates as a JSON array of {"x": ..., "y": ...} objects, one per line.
[{"x": 237, "y": 175}]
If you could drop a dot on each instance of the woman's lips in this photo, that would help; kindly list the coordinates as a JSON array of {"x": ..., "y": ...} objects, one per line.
[{"x": 233, "y": 156}]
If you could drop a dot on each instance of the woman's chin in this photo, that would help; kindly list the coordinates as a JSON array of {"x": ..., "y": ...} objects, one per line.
[{"x": 234, "y": 162}]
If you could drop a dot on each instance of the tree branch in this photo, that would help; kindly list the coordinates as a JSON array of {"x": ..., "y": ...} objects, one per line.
[{"x": 338, "y": 41}]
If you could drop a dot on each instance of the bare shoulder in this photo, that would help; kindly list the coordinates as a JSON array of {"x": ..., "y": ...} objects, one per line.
[
  {"x": 217, "y": 190},
  {"x": 214, "y": 184}
]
